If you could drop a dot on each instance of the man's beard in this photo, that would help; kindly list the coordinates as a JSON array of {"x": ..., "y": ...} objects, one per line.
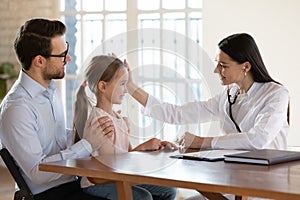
[{"x": 57, "y": 75}]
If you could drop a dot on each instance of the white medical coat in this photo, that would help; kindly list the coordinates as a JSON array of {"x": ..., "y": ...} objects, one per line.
[{"x": 262, "y": 117}]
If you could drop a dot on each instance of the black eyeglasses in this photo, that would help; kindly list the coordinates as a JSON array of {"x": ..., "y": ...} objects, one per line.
[{"x": 63, "y": 55}]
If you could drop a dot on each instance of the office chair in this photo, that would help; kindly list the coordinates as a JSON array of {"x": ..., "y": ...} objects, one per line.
[{"x": 24, "y": 192}]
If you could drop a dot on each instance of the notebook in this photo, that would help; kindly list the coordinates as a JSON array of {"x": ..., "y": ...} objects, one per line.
[
  {"x": 263, "y": 156},
  {"x": 207, "y": 155}
]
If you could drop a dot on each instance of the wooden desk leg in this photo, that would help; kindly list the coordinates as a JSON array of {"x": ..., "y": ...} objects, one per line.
[
  {"x": 124, "y": 190},
  {"x": 213, "y": 195},
  {"x": 241, "y": 197},
  {"x": 238, "y": 198}
]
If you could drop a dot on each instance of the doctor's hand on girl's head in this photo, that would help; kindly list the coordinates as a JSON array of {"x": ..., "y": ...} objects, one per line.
[
  {"x": 125, "y": 61},
  {"x": 126, "y": 64},
  {"x": 131, "y": 87}
]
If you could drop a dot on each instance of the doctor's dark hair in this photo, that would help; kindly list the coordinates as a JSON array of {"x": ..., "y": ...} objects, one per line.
[
  {"x": 34, "y": 38},
  {"x": 241, "y": 47},
  {"x": 100, "y": 68}
]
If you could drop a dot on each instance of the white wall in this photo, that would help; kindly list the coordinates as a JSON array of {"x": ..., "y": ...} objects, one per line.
[
  {"x": 13, "y": 13},
  {"x": 275, "y": 25}
]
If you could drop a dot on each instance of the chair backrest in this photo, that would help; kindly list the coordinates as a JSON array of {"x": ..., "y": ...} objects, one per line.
[{"x": 24, "y": 193}]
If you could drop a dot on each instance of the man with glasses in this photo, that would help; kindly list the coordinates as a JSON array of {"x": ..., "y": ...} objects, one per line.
[
  {"x": 32, "y": 125},
  {"x": 62, "y": 55}
]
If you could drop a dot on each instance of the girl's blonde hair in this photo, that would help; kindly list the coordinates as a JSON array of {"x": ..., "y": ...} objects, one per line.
[{"x": 100, "y": 68}]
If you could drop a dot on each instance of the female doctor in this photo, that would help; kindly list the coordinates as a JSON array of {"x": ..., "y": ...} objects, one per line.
[{"x": 252, "y": 110}]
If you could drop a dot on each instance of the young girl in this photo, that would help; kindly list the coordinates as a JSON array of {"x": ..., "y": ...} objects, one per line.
[{"x": 106, "y": 77}]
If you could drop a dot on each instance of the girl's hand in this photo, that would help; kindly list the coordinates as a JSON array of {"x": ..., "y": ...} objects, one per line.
[
  {"x": 155, "y": 144},
  {"x": 150, "y": 145},
  {"x": 168, "y": 145}
]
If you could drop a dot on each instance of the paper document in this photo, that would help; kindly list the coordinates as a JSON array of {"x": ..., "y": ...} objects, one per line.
[{"x": 208, "y": 155}]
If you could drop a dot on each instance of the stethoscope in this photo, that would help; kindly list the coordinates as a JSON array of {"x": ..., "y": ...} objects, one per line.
[{"x": 230, "y": 107}]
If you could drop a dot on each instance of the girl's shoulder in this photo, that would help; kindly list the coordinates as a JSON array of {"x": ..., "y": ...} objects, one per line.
[{"x": 99, "y": 112}]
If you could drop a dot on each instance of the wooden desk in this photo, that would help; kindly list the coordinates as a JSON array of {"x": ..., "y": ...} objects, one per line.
[{"x": 281, "y": 181}]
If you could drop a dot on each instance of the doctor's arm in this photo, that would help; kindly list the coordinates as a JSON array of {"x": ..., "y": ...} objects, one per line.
[{"x": 137, "y": 93}]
